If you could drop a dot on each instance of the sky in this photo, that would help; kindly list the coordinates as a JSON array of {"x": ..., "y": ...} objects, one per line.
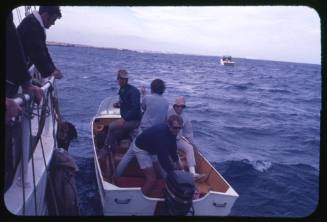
[{"x": 278, "y": 33}]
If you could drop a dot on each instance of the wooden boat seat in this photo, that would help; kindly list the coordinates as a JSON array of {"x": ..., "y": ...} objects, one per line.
[{"x": 139, "y": 182}]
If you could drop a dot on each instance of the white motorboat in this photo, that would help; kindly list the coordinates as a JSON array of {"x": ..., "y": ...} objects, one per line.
[
  {"x": 122, "y": 196},
  {"x": 226, "y": 61}
]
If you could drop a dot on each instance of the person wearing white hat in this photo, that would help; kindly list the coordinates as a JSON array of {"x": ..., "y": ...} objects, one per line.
[
  {"x": 130, "y": 110},
  {"x": 185, "y": 137}
]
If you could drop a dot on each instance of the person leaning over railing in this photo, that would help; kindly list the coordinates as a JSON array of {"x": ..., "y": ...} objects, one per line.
[
  {"x": 32, "y": 33},
  {"x": 16, "y": 69},
  {"x": 16, "y": 76}
]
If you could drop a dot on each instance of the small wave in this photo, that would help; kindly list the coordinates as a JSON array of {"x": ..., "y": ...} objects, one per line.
[
  {"x": 261, "y": 165},
  {"x": 240, "y": 86},
  {"x": 279, "y": 91},
  {"x": 250, "y": 130}
]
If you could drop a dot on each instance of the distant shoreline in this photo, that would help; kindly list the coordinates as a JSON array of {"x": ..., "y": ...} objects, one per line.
[
  {"x": 74, "y": 45},
  {"x": 63, "y": 44}
]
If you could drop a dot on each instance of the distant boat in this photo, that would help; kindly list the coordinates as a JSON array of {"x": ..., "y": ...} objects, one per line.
[
  {"x": 226, "y": 61},
  {"x": 122, "y": 195}
]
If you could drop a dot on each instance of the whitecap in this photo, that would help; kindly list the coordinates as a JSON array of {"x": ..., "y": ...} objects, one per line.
[{"x": 261, "y": 165}]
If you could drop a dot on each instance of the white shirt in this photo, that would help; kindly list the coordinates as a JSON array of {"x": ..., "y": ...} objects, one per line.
[
  {"x": 38, "y": 18},
  {"x": 156, "y": 107}
]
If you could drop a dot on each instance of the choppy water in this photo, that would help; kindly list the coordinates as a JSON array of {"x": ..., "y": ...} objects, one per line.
[{"x": 257, "y": 122}]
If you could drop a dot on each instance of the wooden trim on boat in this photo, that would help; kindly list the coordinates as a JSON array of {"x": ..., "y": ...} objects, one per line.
[{"x": 134, "y": 177}]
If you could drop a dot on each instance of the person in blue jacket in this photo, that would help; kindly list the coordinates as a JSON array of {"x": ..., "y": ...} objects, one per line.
[
  {"x": 130, "y": 111},
  {"x": 157, "y": 143}
]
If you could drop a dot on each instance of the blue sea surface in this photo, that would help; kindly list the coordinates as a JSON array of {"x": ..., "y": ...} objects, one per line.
[{"x": 258, "y": 122}]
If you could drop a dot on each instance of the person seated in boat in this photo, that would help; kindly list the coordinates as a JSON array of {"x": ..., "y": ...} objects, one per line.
[
  {"x": 157, "y": 143},
  {"x": 185, "y": 136},
  {"x": 129, "y": 104},
  {"x": 155, "y": 107},
  {"x": 32, "y": 33}
]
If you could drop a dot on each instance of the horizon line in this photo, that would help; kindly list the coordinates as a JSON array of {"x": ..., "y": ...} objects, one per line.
[{"x": 66, "y": 44}]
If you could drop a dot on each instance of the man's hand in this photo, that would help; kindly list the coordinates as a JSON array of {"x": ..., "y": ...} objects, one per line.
[
  {"x": 12, "y": 109},
  {"x": 57, "y": 74},
  {"x": 35, "y": 90}
]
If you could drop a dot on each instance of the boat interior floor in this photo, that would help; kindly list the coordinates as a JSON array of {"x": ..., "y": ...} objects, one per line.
[{"x": 134, "y": 177}]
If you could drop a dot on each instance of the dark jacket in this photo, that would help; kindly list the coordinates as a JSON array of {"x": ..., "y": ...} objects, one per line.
[
  {"x": 129, "y": 99},
  {"x": 34, "y": 43},
  {"x": 158, "y": 140},
  {"x": 16, "y": 69}
]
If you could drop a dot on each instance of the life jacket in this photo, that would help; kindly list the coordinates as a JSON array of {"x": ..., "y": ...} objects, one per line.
[{"x": 62, "y": 196}]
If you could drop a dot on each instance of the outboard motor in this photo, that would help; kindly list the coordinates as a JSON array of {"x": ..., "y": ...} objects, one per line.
[{"x": 178, "y": 193}]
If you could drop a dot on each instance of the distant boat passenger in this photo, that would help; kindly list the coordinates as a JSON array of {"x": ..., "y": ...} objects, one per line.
[{"x": 227, "y": 61}]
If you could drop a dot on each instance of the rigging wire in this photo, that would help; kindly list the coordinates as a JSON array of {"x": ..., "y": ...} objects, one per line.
[
  {"x": 23, "y": 168},
  {"x": 28, "y": 115},
  {"x": 50, "y": 96}
]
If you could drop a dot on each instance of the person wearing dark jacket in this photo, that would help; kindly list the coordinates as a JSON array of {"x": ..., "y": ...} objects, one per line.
[
  {"x": 16, "y": 70},
  {"x": 16, "y": 76},
  {"x": 33, "y": 36},
  {"x": 130, "y": 110},
  {"x": 157, "y": 143}
]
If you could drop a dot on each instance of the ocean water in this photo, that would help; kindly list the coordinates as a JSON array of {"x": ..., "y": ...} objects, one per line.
[{"x": 258, "y": 122}]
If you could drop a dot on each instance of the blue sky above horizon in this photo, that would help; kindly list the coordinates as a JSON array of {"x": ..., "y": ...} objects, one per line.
[{"x": 279, "y": 33}]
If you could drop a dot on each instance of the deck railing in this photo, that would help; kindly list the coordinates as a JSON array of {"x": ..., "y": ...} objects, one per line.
[{"x": 33, "y": 130}]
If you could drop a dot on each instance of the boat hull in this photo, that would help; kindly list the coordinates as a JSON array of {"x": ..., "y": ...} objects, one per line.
[
  {"x": 28, "y": 198},
  {"x": 126, "y": 199},
  {"x": 226, "y": 63}
]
